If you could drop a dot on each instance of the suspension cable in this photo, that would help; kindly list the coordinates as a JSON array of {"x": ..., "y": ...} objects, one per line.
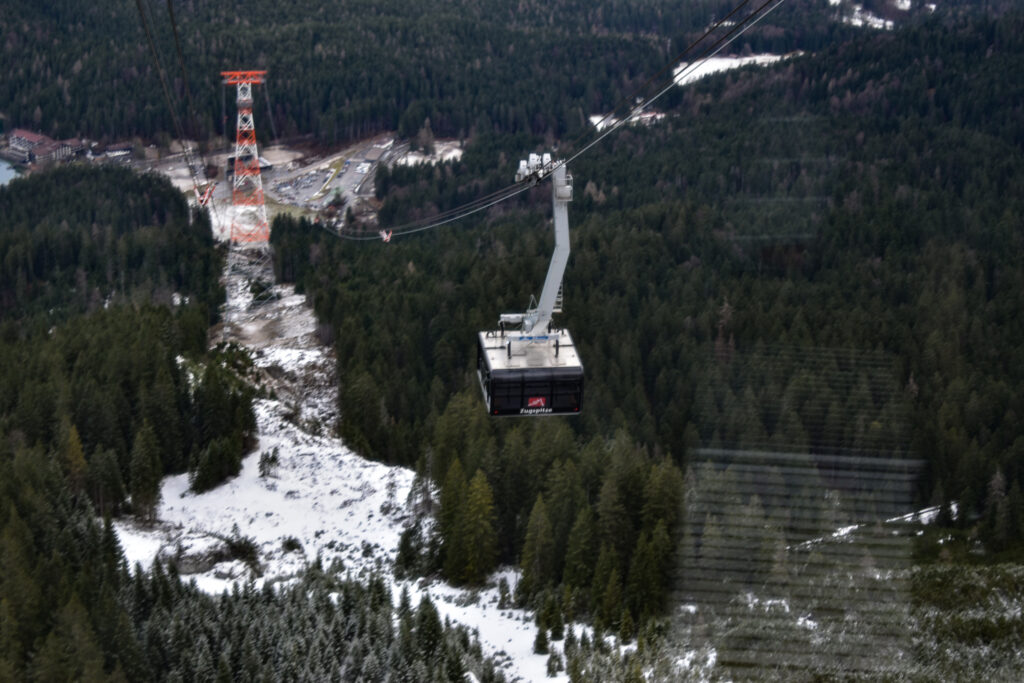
[
  {"x": 181, "y": 64},
  {"x": 160, "y": 70},
  {"x": 179, "y": 128},
  {"x": 675, "y": 60},
  {"x": 270, "y": 111},
  {"x": 463, "y": 212},
  {"x": 739, "y": 29},
  {"x": 510, "y": 191}
]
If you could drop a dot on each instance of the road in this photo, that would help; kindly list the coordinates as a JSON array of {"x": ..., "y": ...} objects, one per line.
[
  {"x": 293, "y": 180},
  {"x": 350, "y": 172}
]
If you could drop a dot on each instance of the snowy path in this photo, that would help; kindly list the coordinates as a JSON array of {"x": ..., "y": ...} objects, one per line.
[{"x": 322, "y": 500}]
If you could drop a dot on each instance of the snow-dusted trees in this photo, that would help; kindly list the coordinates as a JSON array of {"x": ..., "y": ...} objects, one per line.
[{"x": 593, "y": 525}]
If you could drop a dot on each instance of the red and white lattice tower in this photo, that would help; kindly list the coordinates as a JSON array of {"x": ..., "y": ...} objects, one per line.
[{"x": 249, "y": 217}]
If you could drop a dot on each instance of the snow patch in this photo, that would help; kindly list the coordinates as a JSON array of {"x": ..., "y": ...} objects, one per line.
[
  {"x": 444, "y": 150},
  {"x": 926, "y": 515},
  {"x": 807, "y": 623},
  {"x": 140, "y": 545},
  {"x": 863, "y": 18},
  {"x": 688, "y": 73},
  {"x": 643, "y": 118}
]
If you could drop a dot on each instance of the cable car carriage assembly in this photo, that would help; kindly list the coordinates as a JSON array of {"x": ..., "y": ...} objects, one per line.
[{"x": 527, "y": 366}]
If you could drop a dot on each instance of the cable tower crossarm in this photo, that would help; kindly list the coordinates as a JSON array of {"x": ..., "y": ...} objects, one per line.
[{"x": 239, "y": 77}]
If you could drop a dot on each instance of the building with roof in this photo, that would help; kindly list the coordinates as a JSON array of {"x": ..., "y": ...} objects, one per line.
[{"x": 24, "y": 143}]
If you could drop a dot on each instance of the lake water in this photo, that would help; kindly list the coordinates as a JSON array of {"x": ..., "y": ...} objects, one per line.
[{"x": 7, "y": 172}]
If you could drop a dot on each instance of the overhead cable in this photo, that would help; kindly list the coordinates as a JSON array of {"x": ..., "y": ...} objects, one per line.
[{"x": 737, "y": 29}]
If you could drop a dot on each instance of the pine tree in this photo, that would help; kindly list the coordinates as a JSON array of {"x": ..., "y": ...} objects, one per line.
[
  {"x": 661, "y": 549},
  {"x": 21, "y": 589},
  {"x": 576, "y": 670},
  {"x": 504, "y": 599},
  {"x": 540, "y": 641},
  {"x": 565, "y": 496},
  {"x": 663, "y": 496},
  {"x": 611, "y": 601},
  {"x": 635, "y": 673},
  {"x": 613, "y": 524},
  {"x": 453, "y": 499},
  {"x": 106, "y": 487},
  {"x": 626, "y": 628},
  {"x": 513, "y": 494},
  {"x": 644, "y": 583},
  {"x": 997, "y": 512},
  {"x": 607, "y": 561},
  {"x": 73, "y": 459},
  {"x": 160, "y": 407},
  {"x": 10, "y": 647},
  {"x": 428, "y": 629},
  {"x": 557, "y": 624},
  {"x": 554, "y": 664},
  {"x": 537, "y": 561},
  {"x": 476, "y": 531},
  {"x": 70, "y": 651},
  {"x": 145, "y": 473},
  {"x": 579, "y": 555}
]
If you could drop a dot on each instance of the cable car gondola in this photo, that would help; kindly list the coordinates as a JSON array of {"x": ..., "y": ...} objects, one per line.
[
  {"x": 534, "y": 379},
  {"x": 533, "y": 369}
]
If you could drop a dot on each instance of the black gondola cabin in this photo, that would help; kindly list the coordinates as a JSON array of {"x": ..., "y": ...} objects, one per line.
[{"x": 530, "y": 376}]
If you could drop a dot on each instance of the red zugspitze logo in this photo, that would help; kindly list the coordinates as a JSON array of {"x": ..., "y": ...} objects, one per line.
[{"x": 536, "y": 402}]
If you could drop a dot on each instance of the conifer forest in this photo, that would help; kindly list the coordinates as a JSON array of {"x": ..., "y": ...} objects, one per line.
[{"x": 798, "y": 296}]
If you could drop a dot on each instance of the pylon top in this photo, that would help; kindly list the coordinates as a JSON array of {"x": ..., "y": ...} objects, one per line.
[{"x": 236, "y": 77}]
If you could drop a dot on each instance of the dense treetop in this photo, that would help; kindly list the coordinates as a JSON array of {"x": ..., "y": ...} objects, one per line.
[
  {"x": 341, "y": 70},
  {"x": 79, "y": 239},
  {"x": 820, "y": 256}
]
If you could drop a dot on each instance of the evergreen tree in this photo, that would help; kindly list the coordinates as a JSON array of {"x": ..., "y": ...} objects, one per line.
[
  {"x": 106, "y": 487},
  {"x": 70, "y": 651},
  {"x": 611, "y": 600},
  {"x": 644, "y": 582},
  {"x": 453, "y": 500},
  {"x": 10, "y": 647},
  {"x": 540, "y": 641},
  {"x": 538, "y": 560},
  {"x": 476, "y": 530},
  {"x": 579, "y": 556},
  {"x": 428, "y": 629},
  {"x": 607, "y": 562},
  {"x": 145, "y": 473},
  {"x": 565, "y": 496},
  {"x": 663, "y": 496},
  {"x": 73, "y": 459},
  {"x": 662, "y": 552},
  {"x": 626, "y": 627},
  {"x": 614, "y": 527},
  {"x": 554, "y": 664}
]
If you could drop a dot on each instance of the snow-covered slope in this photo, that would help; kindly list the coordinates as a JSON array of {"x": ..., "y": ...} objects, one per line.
[{"x": 323, "y": 499}]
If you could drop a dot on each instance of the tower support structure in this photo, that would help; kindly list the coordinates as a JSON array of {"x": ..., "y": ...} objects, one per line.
[{"x": 249, "y": 213}]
